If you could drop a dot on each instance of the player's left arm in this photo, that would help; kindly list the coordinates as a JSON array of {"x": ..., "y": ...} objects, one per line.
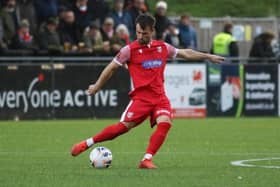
[{"x": 190, "y": 54}]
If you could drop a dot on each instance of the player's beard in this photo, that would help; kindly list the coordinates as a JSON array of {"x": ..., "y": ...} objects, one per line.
[{"x": 143, "y": 42}]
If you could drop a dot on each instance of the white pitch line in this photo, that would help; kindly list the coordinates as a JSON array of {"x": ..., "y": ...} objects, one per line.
[{"x": 241, "y": 163}]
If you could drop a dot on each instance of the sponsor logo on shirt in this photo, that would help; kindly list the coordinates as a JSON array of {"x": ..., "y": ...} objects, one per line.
[{"x": 148, "y": 64}]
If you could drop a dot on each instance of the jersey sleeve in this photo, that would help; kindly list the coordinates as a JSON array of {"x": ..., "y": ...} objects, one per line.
[
  {"x": 123, "y": 56},
  {"x": 171, "y": 51}
]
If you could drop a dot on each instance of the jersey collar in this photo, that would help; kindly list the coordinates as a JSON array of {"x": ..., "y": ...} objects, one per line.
[{"x": 149, "y": 45}]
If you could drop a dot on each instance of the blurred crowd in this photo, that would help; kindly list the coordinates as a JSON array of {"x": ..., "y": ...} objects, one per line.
[
  {"x": 99, "y": 27},
  {"x": 96, "y": 27}
]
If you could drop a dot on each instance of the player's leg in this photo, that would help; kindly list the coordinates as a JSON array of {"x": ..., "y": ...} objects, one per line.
[
  {"x": 156, "y": 140},
  {"x": 161, "y": 116},
  {"x": 108, "y": 133},
  {"x": 132, "y": 116}
]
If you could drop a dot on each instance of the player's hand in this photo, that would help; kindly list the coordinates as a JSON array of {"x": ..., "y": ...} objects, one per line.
[
  {"x": 216, "y": 59},
  {"x": 92, "y": 89}
]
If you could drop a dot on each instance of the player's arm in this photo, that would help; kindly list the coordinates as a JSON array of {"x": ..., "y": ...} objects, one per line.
[
  {"x": 190, "y": 54},
  {"x": 103, "y": 78}
]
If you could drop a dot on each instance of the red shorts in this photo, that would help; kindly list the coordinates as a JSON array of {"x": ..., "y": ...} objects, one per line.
[{"x": 138, "y": 110}]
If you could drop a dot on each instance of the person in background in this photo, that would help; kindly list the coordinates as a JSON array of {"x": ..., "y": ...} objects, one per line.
[
  {"x": 161, "y": 19},
  {"x": 172, "y": 35},
  {"x": 83, "y": 16},
  {"x": 48, "y": 38},
  {"x": 23, "y": 39},
  {"x": 3, "y": 45},
  {"x": 188, "y": 36},
  {"x": 224, "y": 43},
  {"x": 262, "y": 47},
  {"x": 10, "y": 19},
  {"x": 45, "y": 9},
  {"x": 123, "y": 34},
  {"x": 109, "y": 35},
  {"x": 128, "y": 4},
  {"x": 69, "y": 32},
  {"x": 99, "y": 9},
  {"x": 120, "y": 16},
  {"x": 27, "y": 11},
  {"x": 93, "y": 40}
]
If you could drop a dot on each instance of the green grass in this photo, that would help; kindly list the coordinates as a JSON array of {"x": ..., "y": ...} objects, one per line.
[{"x": 196, "y": 153}]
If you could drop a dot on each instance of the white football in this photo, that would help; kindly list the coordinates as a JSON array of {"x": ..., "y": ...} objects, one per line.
[{"x": 100, "y": 157}]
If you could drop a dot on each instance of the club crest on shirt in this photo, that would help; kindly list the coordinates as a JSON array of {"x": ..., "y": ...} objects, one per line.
[
  {"x": 130, "y": 114},
  {"x": 140, "y": 51},
  {"x": 159, "y": 49}
]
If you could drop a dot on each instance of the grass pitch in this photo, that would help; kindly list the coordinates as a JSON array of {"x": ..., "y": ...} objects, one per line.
[{"x": 196, "y": 153}]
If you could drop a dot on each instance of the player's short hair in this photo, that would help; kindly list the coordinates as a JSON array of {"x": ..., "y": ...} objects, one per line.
[{"x": 146, "y": 20}]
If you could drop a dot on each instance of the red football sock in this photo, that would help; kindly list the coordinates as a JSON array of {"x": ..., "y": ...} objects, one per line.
[
  {"x": 110, "y": 132},
  {"x": 158, "y": 137}
]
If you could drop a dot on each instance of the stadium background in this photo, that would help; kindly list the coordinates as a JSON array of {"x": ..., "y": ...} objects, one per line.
[{"x": 37, "y": 93}]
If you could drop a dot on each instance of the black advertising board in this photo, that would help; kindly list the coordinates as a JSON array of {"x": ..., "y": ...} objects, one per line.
[
  {"x": 242, "y": 90},
  {"x": 224, "y": 90},
  {"x": 260, "y": 90},
  {"x": 46, "y": 91}
]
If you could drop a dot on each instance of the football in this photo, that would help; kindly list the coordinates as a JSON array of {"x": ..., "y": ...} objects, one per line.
[{"x": 101, "y": 157}]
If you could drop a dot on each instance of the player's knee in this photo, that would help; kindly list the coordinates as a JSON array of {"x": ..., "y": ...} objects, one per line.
[
  {"x": 129, "y": 125},
  {"x": 164, "y": 119}
]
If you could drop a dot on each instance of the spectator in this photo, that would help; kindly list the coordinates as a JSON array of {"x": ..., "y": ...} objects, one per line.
[
  {"x": 28, "y": 11},
  {"x": 188, "y": 37},
  {"x": 23, "y": 39},
  {"x": 94, "y": 42},
  {"x": 108, "y": 34},
  {"x": 45, "y": 9},
  {"x": 100, "y": 10},
  {"x": 123, "y": 34},
  {"x": 128, "y": 4},
  {"x": 61, "y": 10},
  {"x": 66, "y": 3},
  {"x": 172, "y": 35},
  {"x": 83, "y": 16},
  {"x": 3, "y": 45},
  {"x": 161, "y": 19},
  {"x": 68, "y": 31},
  {"x": 120, "y": 16},
  {"x": 224, "y": 43},
  {"x": 10, "y": 18},
  {"x": 261, "y": 47},
  {"x": 49, "y": 38}
]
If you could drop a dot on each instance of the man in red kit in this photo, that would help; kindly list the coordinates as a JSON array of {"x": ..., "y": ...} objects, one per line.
[{"x": 146, "y": 60}]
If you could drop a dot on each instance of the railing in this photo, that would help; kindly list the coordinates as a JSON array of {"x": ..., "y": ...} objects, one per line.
[{"x": 102, "y": 59}]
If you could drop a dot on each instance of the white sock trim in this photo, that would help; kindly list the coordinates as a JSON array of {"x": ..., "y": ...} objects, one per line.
[
  {"x": 89, "y": 142},
  {"x": 148, "y": 156}
]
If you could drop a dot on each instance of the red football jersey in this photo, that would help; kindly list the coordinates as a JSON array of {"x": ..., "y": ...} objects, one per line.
[{"x": 146, "y": 64}]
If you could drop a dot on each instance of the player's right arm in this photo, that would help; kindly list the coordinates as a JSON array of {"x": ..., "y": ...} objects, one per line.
[
  {"x": 103, "y": 78},
  {"x": 120, "y": 60}
]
